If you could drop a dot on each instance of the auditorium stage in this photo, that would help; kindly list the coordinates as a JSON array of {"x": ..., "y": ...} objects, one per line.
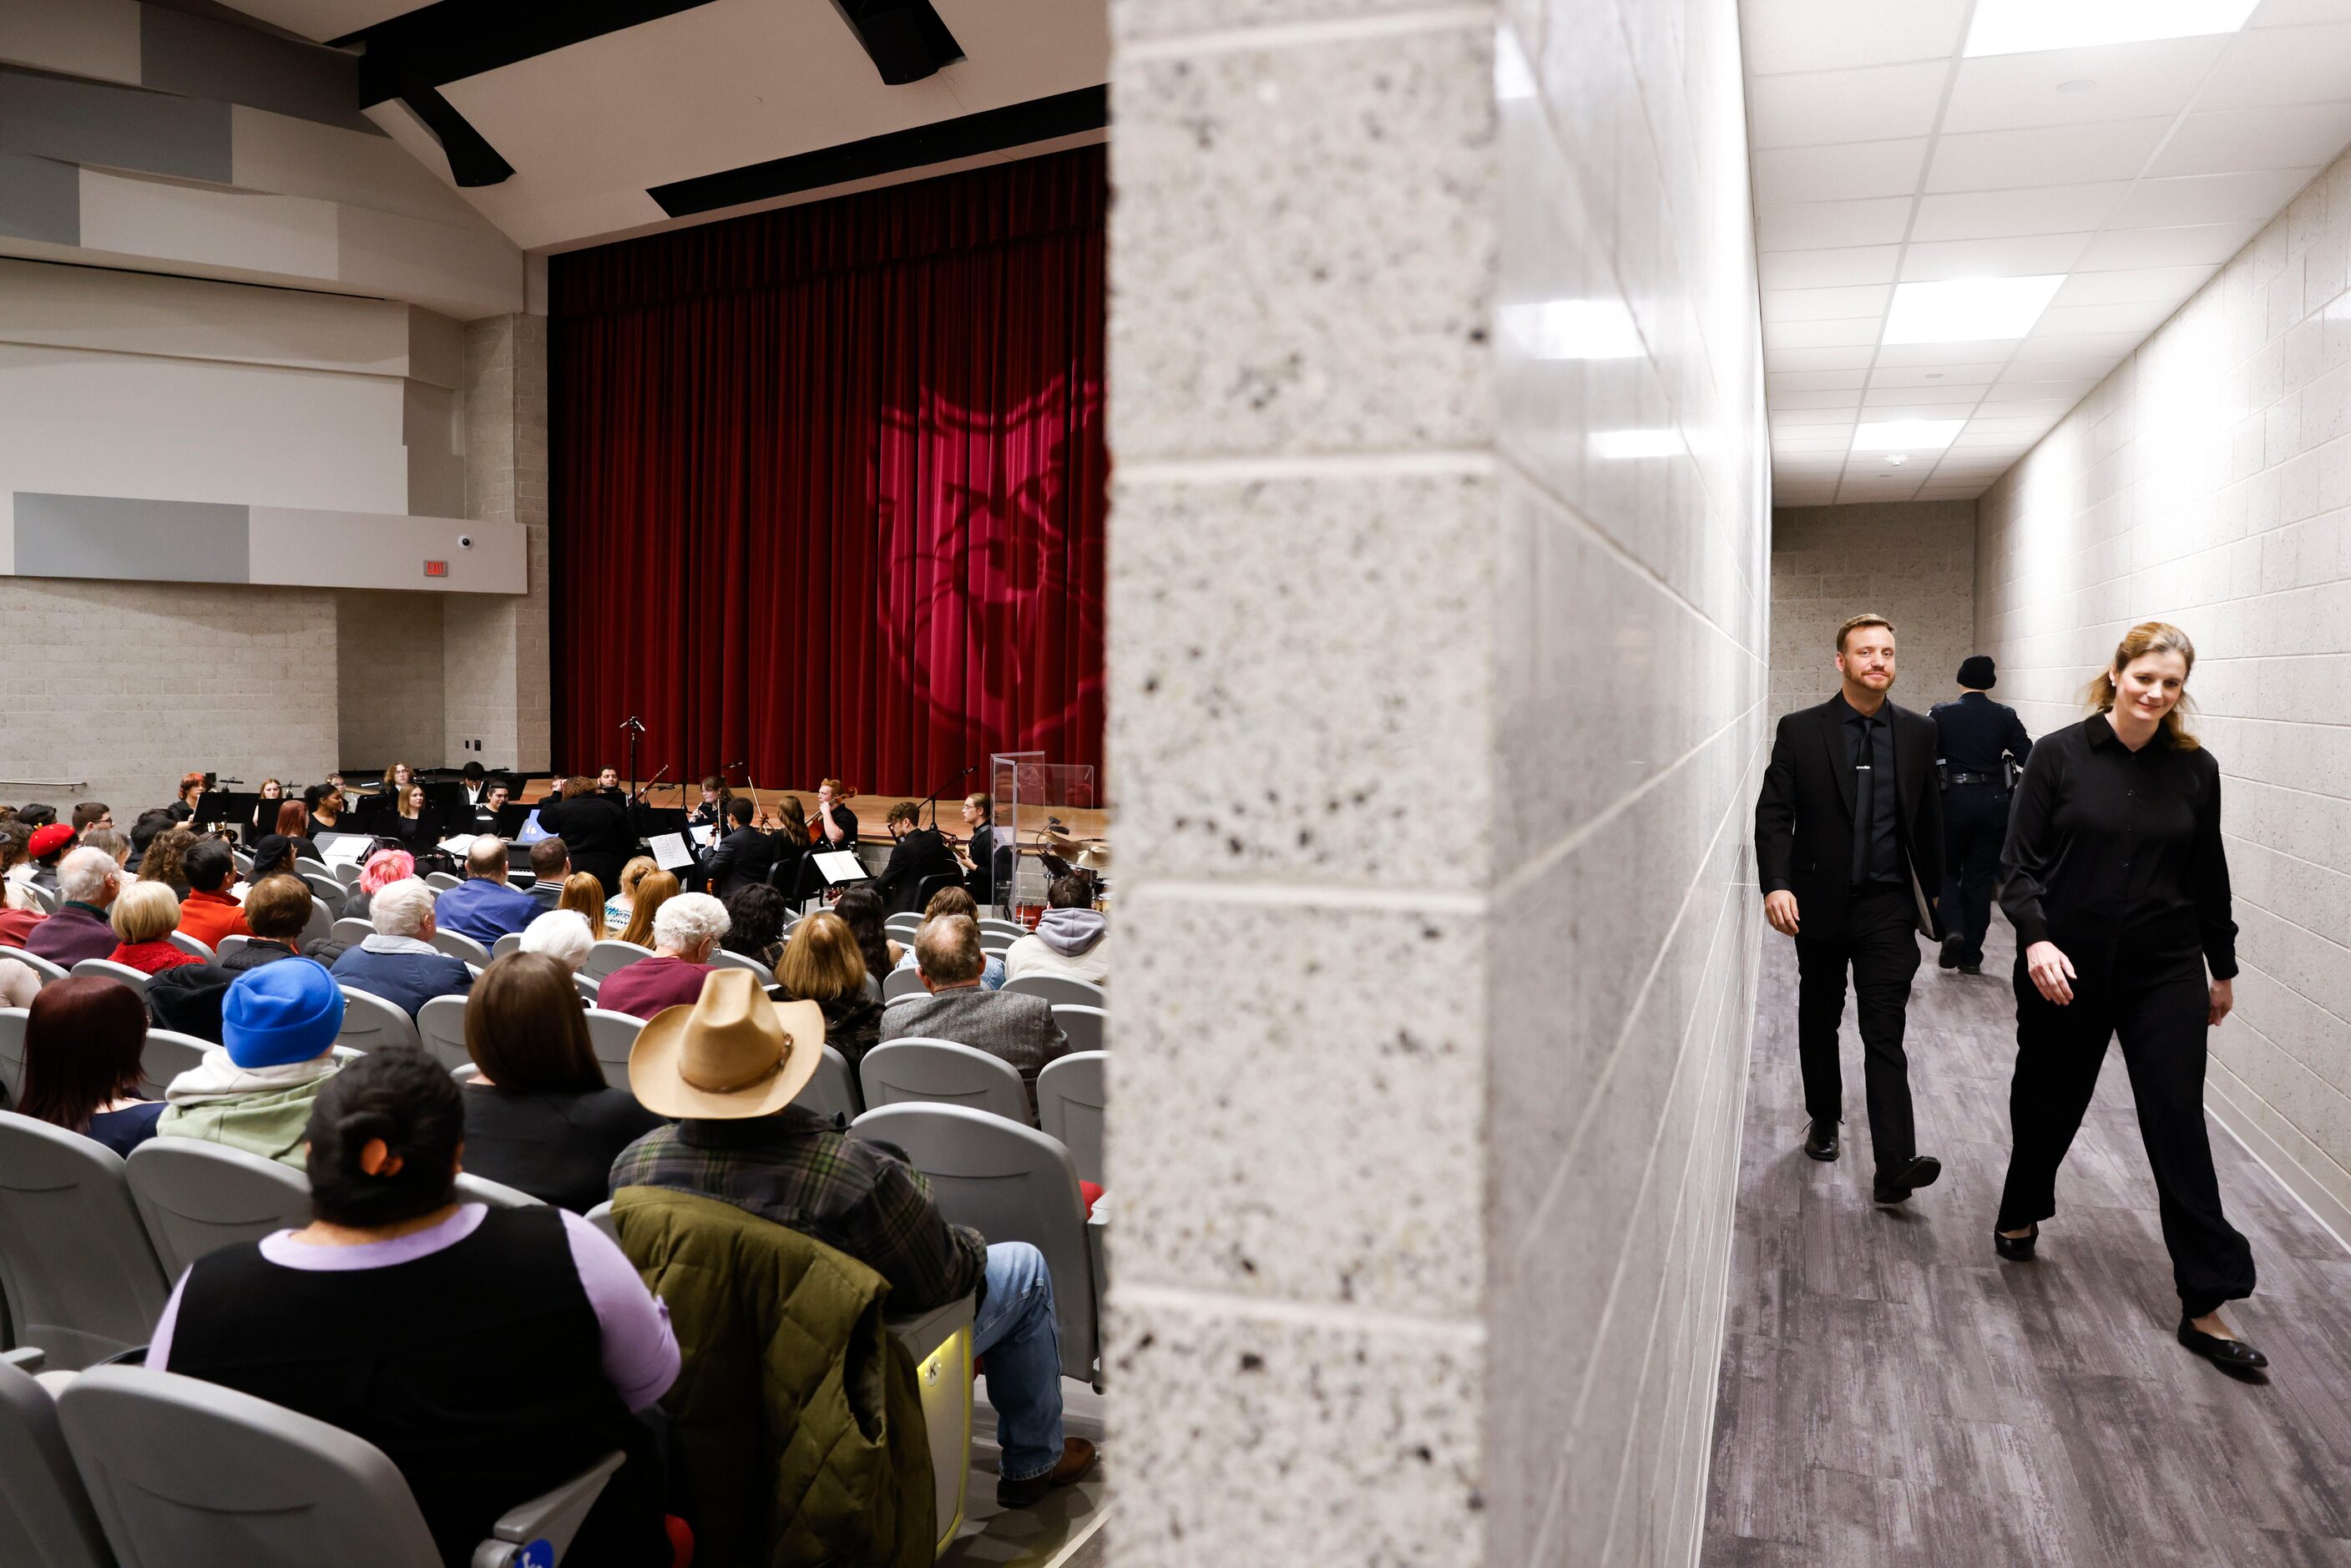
[{"x": 872, "y": 810}]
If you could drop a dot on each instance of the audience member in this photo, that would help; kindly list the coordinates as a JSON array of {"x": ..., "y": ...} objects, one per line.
[
  {"x": 89, "y": 883},
  {"x": 745, "y": 855},
  {"x": 959, "y": 901},
  {"x": 618, "y": 907},
  {"x": 208, "y": 913},
  {"x": 917, "y": 853},
  {"x": 483, "y": 907},
  {"x": 293, "y": 820},
  {"x": 192, "y": 790},
  {"x": 585, "y": 896},
  {"x": 755, "y": 915},
  {"x": 399, "y": 962},
  {"x": 488, "y": 1354},
  {"x": 550, "y": 863},
  {"x": 1071, "y": 938},
  {"x": 382, "y": 869},
  {"x": 594, "y": 826},
  {"x": 744, "y": 1142},
  {"x": 143, "y": 916},
  {"x": 92, "y": 814},
  {"x": 17, "y": 868},
  {"x": 822, "y": 965},
  {"x": 863, "y": 909},
  {"x": 142, "y": 836},
  {"x": 80, "y": 1070},
  {"x": 275, "y": 857},
  {"x": 541, "y": 1117},
  {"x": 253, "y": 1091},
  {"x": 116, "y": 845},
  {"x": 1009, "y": 1024},
  {"x": 48, "y": 848},
  {"x": 19, "y": 984},
  {"x": 165, "y": 861},
  {"x": 654, "y": 889},
  {"x": 562, "y": 935},
  {"x": 35, "y": 814},
  {"x": 277, "y": 911},
  {"x": 686, "y": 934}
]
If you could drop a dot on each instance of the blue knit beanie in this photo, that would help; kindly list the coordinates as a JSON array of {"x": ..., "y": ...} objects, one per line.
[{"x": 290, "y": 1010}]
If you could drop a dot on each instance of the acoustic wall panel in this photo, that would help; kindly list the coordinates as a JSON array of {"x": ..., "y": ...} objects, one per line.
[
  {"x": 40, "y": 200},
  {"x": 363, "y": 550},
  {"x": 97, "y": 38},
  {"x": 114, "y": 127},
  {"x": 121, "y": 537}
]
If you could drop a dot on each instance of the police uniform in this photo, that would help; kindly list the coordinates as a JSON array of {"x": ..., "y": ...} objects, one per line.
[{"x": 1973, "y": 734}]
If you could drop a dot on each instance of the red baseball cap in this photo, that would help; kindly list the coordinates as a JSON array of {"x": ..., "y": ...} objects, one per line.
[{"x": 53, "y": 836}]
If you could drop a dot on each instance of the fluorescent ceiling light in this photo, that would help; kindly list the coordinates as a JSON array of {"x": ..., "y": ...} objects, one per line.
[
  {"x": 2023, "y": 26},
  {"x": 1514, "y": 78},
  {"x": 1968, "y": 309},
  {"x": 1572, "y": 329},
  {"x": 1906, "y": 434},
  {"x": 1618, "y": 444}
]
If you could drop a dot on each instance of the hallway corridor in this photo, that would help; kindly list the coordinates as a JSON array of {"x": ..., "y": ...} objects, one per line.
[{"x": 1893, "y": 1393}]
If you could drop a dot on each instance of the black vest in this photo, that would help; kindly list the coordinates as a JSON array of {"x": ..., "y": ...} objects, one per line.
[{"x": 476, "y": 1370}]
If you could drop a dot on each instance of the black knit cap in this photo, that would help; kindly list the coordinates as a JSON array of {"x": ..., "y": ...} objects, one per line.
[{"x": 1976, "y": 673}]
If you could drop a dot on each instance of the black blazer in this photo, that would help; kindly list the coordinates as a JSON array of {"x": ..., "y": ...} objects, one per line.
[
  {"x": 921, "y": 853},
  {"x": 741, "y": 857},
  {"x": 596, "y": 831},
  {"x": 1804, "y": 817}
]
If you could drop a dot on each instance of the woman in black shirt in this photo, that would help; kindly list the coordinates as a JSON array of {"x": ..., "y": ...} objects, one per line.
[{"x": 2115, "y": 878}]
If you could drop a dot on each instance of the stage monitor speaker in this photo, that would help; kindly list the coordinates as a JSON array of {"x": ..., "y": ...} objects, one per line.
[{"x": 907, "y": 39}]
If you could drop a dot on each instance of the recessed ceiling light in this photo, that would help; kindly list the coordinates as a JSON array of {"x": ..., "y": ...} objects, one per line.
[
  {"x": 1934, "y": 375},
  {"x": 1968, "y": 309},
  {"x": 2079, "y": 84},
  {"x": 1620, "y": 444},
  {"x": 1898, "y": 459},
  {"x": 1572, "y": 329},
  {"x": 1906, "y": 434},
  {"x": 2023, "y": 26}
]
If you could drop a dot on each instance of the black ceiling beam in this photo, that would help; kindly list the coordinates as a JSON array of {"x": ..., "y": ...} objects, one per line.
[
  {"x": 453, "y": 39},
  {"x": 906, "y": 39},
  {"x": 990, "y": 130}
]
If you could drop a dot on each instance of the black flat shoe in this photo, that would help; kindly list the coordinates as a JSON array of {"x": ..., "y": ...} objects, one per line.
[
  {"x": 2233, "y": 1354},
  {"x": 2015, "y": 1248},
  {"x": 1949, "y": 955},
  {"x": 1971, "y": 969},
  {"x": 1896, "y": 1186},
  {"x": 1820, "y": 1139}
]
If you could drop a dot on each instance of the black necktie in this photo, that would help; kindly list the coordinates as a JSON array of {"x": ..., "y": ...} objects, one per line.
[{"x": 1865, "y": 802}]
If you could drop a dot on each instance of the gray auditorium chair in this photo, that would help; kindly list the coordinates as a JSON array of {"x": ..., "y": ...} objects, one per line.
[
  {"x": 190, "y": 945},
  {"x": 995, "y": 944},
  {"x": 587, "y": 985},
  {"x": 318, "y": 927},
  {"x": 164, "y": 1057},
  {"x": 901, "y": 983},
  {"x": 1013, "y": 928},
  {"x": 12, "y": 1051},
  {"x": 441, "y": 1027},
  {"x": 326, "y": 890},
  {"x": 48, "y": 970},
  {"x": 472, "y": 1188},
  {"x": 76, "y": 1269},
  {"x": 1070, "y": 1098},
  {"x": 1009, "y": 1183},
  {"x": 1059, "y": 989},
  {"x": 458, "y": 945},
  {"x": 46, "y": 1520},
  {"x": 610, "y": 957},
  {"x": 903, "y": 925},
  {"x": 940, "y": 1072},
  {"x": 601, "y": 1217},
  {"x": 184, "y": 1472},
  {"x": 442, "y": 881},
  {"x": 1088, "y": 1029},
  {"x": 108, "y": 969},
  {"x": 371, "y": 1023},
  {"x": 351, "y": 929},
  {"x": 722, "y": 959},
  {"x": 45, "y": 897},
  {"x": 612, "y": 1036},
  {"x": 232, "y": 944},
  {"x": 833, "y": 1091},
  {"x": 195, "y": 1196},
  {"x": 347, "y": 872},
  {"x": 509, "y": 943}
]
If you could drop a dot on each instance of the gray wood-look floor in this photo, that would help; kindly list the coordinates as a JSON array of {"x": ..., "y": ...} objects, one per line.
[{"x": 1894, "y": 1394}]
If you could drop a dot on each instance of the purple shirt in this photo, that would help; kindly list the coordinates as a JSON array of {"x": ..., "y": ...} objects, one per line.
[
  {"x": 641, "y": 1356},
  {"x": 649, "y": 984}
]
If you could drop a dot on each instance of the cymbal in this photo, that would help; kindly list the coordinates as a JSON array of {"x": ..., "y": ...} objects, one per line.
[{"x": 1095, "y": 856}]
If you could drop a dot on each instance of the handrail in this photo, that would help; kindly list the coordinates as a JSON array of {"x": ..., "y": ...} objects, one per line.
[{"x": 49, "y": 783}]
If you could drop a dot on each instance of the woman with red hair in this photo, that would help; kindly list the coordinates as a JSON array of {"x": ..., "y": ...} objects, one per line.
[{"x": 382, "y": 869}]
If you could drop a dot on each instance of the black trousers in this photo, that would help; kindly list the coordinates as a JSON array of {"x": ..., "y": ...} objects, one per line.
[
  {"x": 2058, "y": 1053},
  {"x": 1975, "y": 820},
  {"x": 1881, "y": 946}
]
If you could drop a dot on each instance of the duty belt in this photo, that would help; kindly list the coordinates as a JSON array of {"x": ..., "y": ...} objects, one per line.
[{"x": 1975, "y": 778}]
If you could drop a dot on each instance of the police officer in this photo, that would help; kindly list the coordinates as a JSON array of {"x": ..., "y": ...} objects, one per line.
[{"x": 1973, "y": 733}]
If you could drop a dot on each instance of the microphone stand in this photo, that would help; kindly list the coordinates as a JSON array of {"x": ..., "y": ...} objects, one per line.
[{"x": 635, "y": 726}]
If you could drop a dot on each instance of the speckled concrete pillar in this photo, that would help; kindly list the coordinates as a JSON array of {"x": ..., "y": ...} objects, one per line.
[{"x": 1437, "y": 656}]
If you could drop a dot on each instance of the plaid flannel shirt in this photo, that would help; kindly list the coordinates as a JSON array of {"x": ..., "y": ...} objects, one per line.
[{"x": 796, "y": 1169}]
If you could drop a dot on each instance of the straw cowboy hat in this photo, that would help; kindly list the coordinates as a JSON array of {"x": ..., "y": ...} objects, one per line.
[{"x": 734, "y": 1053}]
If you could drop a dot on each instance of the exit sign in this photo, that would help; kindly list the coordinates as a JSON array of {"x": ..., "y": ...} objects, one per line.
[{"x": 437, "y": 569}]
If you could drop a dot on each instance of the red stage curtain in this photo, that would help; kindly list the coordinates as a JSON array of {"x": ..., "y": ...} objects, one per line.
[{"x": 829, "y": 484}]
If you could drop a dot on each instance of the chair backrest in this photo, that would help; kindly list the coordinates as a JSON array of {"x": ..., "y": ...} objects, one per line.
[
  {"x": 612, "y": 1036},
  {"x": 601, "y": 1217},
  {"x": 326, "y": 890},
  {"x": 189, "y": 944},
  {"x": 320, "y": 927},
  {"x": 900, "y": 983},
  {"x": 458, "y": 945},
  {"x": 47, "y": 968},
  {"x": 722, "y": 959},
  {"x": 46, "y": 1520},
  {"x": 12, "y": 1051},
  {"x": 1059, "y": 989},
  {"x": 44, "y": 896},
  {"x": 76, "y": 1267},
  {"x": 229, "y": 945},
  {"x": 164, "y": 1057},
  {"x": 183, "y": 1471},
  {"x": 1070, "y": 1098},
  {"x": 996, "y": 944},
  {"x": 441, "y": 1029},
  {"x": 1011, "y": 1183},
  {"x": 1012, "y": 928},
  {"x": 902, "y": 924},
  {"x": 509, "y": 943},
  {"x": 940, "y": 1072},
  {"x": 352, "y": 928},
  {"x": 371, "y": 1023},
  {"x": 195, "y": 1196},
  {"x": 472, "y": 1188},
  {"x": 347, "y": 872},
  {"x": 833, "y": 1091},
  {"x": 443, "y": 880},
  {"x": 609, "y": 957},
  {"x": 587, "y": 985},
  {"x": 1087, "y": 1029},
  {"x": 107, "y": 968}
]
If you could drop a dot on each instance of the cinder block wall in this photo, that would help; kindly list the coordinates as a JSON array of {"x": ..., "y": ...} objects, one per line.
[{"x": 1913, "y": 562}]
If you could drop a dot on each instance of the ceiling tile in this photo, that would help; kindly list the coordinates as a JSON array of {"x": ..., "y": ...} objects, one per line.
[
  {"x": 2206, "y": 244},
  {"x": 1820, "y": 334},
  {"x": 2052, "y": 409},
  {"x": 1996, "y": 92},
  {"x": 1815, "y": 225},
  {"x": 2280, "y": 65},
  {"x": 2045, "y": 155},
  {"x": 1957, "y": 409},
  {"x": 2072, "y": 346},
  {"x": 2254, "y": 196},
  {"x": 2296, "y": 13},
  {"x": 1778, "y": 382},
  {"x": 1848, "y": 398},
  {"x": 2278, "y": 136},
  {"x": 2023, "y": 384},
  {"x": 1994, "y": 214},
  {"x": 1946, "y": 391},
  {"x": 2173, "y": 283},
  {"x": 2139, "y": 316},
  {"x": 1946, "y": 357},
  {"x": 1834, "y": 357},
  {"x": 1843, "y": 267},
  {"x": 1940, "y": 373},
  {"x": 1809, "y": 108},
  {"x": 1828, "y": 35},
  {"x": 1856, "y": 169},
  {"x": 2015, "y": 256},
  {"x": 1825, "y": 304},
  {"x": 2090, "y": 369}
]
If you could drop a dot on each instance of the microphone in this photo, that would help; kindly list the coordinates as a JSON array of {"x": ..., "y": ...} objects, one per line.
[
  {"x": 730, "y": 766},
  {"x": 633, "y": 721}
]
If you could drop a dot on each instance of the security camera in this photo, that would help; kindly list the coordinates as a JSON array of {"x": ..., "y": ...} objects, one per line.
[{"x": 465, "y": 541}]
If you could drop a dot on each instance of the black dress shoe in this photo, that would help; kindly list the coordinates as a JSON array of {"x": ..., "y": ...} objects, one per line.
[
  {"x": 2015, "y": 1248},
  {"x": 1896, "y": 1185},
  {"x": 1820, "y": 1139},
  {"x": 2234, "y": 1353},
  {"x": 1971, "y": 969},
  {"x": 1949, "y": 956}
]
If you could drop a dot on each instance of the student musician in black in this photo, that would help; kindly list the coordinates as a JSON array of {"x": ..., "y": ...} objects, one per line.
[{"x": 2116, "y": 880}]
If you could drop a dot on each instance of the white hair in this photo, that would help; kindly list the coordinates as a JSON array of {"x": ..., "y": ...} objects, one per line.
[
  {"x": 401, "y": 908},
  {"x": 688, "y": 921},
  {"x": 81, "y": 875},
  {"x": 562, "y": 935}
]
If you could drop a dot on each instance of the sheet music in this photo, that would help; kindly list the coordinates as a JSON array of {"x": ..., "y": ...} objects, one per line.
[
  {"x": 669, "y": 851},
  {"x": 348, "y": 849},
  {"x": 840, "y": 866},
  {"x": 707, "y": 836},
  {"x": 457, "y": 843}
]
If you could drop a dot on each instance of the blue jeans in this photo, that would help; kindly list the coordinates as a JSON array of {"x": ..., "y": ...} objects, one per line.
[{"x": 1017, "y": 1332}]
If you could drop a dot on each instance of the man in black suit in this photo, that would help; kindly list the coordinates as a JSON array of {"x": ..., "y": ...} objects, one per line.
[
  {"x": 1848, "y": 843},
  {"x": 593, "y": 827},
  {"x": 743, "y": 855},
  {"x": 1978, "y": 738},
  {"x": 919, "y": 852}
]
